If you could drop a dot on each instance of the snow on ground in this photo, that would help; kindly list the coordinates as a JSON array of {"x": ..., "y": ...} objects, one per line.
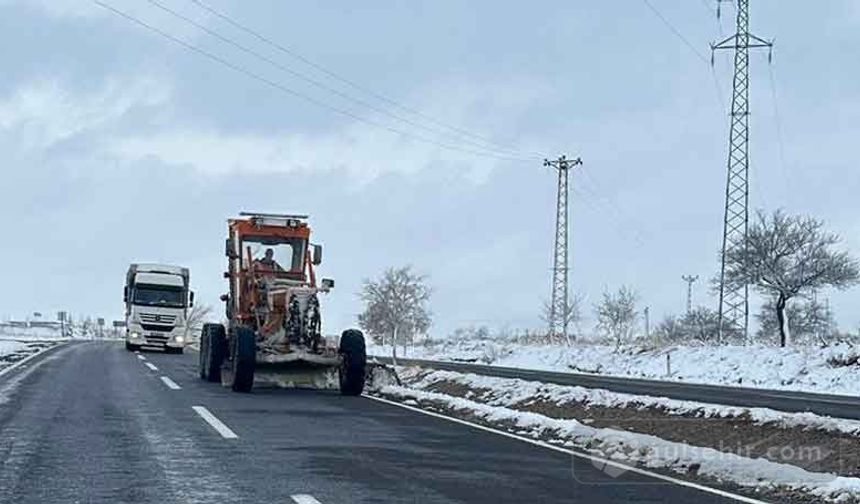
[
  {"x": 30, "y": 334},
  {"x": 832, "y": 369},
  {"x": 8, "y": 347},
  {"x": 508, "y": 392},
  {"x": 641, "y": 449}
]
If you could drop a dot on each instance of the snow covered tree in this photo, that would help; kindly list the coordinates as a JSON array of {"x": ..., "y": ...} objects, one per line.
[
  {"x": 808, "y": 321},
  {"x": 617, "y": 315},
  {"x": 395, "y": 307},
  {"x": 699, "y": 326},
  {"x": 574, "y": 317},
  {"x": 787, "y": 256},
  {"x": 87, "y": 328}
]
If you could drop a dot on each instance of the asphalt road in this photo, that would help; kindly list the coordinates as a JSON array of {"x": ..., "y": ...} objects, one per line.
[
  {"x": 784, "y": 400},
  {"x": 91, "y": 422}
]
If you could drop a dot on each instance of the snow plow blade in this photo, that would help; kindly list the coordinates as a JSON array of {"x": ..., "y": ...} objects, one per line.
[{"x": 297, "y": 370}]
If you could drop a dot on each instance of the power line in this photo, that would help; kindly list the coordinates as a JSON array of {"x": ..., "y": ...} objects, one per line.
[
  {"x": 295, "y": 54},
  {"x": 294, "y": 93},
  {"x": 675, "y": 31},
  {"x": 312, "y": 81},
  {"x": 778, "y": 118},
  {"x": 695, "y": 51}
]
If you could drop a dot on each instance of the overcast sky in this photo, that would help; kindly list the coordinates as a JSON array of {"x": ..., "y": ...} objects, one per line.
[{"x": 121, "y": 146}]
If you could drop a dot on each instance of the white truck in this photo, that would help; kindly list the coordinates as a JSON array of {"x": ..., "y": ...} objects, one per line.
[{"x": 157, "y": 299}]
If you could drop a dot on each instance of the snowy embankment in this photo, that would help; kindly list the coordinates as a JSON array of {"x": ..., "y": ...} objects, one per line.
[
  {"x": 14, "y": 349},
  {"x": 566, "y": 416},
  {"x": 834, "y": 369}
]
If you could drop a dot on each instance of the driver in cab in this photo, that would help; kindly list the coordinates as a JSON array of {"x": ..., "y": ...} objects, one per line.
[{"x": 268, "y": 265}]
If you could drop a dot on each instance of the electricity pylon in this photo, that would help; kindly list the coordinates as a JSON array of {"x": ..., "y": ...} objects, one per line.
[
  {"x": 734, "y": 300},
  {"x": 559, "y": 310}
]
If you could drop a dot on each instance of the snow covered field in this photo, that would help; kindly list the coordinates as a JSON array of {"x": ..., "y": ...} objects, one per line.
[{"x": 834, "y": 369}]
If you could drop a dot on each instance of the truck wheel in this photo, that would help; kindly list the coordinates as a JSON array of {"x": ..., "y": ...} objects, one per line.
[
  {"x": 201, "y": 352},
  {"x": 212, "y": 342},
  {"x": 244, "y": 359},
  {"x": 353, "y": 362},
  {"x": 131, "y": 348}
]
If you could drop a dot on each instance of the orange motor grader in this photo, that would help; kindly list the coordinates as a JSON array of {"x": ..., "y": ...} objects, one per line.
[{"x": 273, "y": 334}]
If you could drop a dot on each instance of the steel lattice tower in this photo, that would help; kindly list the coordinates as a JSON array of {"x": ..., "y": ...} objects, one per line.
[
  {"x": 559, "y": 303},
  {"x": 734, "y": 300}
]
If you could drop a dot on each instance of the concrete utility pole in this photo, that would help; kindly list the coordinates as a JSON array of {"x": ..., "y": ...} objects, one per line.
[
  {"x": 559, "y": 312},
  {"x": 689, "y": 279},
  {"x": 647, "y": 322},
  {"x": 734, "y": 301}
]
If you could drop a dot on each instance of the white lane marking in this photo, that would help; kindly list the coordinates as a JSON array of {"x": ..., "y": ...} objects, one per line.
[
  {"x": 592, "y": 458},
  {"x": 216, "y": 424},
  {"x": 172, "y": 385},
  {"x": 25, "y": 360},
  {"x": 141, "y": 357},
  {"x": 150, "y": 366},
  {"x": 304, "y": 499}
]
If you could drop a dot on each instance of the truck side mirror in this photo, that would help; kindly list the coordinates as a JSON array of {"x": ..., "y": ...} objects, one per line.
[
  {"x": 230, "y": 248},
  {"x": 191, "y": 298},
  {"x": 316, "y": 255},
  {"x": 125, "y": 295},
  {"x": 327, "y": 284}
]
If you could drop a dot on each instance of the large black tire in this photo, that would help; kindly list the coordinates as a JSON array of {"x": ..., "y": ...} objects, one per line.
[
  {"x": 244, "y": 359},
  {"x": 201, "y": 352},
  {"x": 131, "y": 348},
  {"x": 353, "y": 362},
  {"x": 213, "y": 341}
]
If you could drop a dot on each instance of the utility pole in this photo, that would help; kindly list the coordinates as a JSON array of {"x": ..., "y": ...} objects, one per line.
[
  {"x": 647, "y": 322},
  {"x": 689, "y": 279},
  {"x": 734, "y": 300},
  {"x": 559, "y": 312}
]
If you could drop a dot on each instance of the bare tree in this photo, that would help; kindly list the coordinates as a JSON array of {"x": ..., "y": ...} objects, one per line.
[
  {"x": 700, "y": 325},
  {"x": 617, "y": 315},
  {"x": 199, "y": 314},
  {"x": 787, "y": 256},
  {"x": 395, "y": 307},
  {"x": 574, "y": 316}
]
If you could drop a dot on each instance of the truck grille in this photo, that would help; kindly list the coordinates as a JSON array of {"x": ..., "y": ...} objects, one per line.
[
  {"x": 157, "y": 328},
  {"x": 157, "y": 318}
]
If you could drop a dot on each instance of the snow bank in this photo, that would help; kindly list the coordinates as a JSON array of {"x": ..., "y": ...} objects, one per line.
[
  {"x": 9, "y": 347},
  {"x": 508, "y": 392},
  {"x": 834, "y": 369},
  {"x": 644, "y": 450}
]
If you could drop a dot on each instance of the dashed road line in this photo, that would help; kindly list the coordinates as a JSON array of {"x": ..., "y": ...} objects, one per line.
[
  {"x": 172, "y": 385},
  {"x": 304, "y": 499},
  {"x": 141, "y": 357},
  {"x": 213, "y": 421},
  {"x": 150, "y": 366}
]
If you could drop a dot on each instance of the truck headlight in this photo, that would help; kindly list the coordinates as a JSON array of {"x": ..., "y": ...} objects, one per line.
[
  {"x": 134, "y": 334},
  {"x": 180, "y": 339}
]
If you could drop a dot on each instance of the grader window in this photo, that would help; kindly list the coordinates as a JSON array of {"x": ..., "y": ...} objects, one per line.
[{"x": 278, "y": 256}]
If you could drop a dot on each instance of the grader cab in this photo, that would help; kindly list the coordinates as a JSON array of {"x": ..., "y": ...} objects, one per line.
[{"x": 274, "y": 331}]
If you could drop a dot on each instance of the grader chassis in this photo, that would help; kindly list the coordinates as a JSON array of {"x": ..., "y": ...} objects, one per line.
[{"x": 273, "y": 334}]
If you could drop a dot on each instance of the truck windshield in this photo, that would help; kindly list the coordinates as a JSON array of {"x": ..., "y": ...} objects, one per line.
[{"x": 159, "y": 295}]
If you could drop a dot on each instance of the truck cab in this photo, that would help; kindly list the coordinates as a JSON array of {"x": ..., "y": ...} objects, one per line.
[{"x": 157, "y": 298}]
